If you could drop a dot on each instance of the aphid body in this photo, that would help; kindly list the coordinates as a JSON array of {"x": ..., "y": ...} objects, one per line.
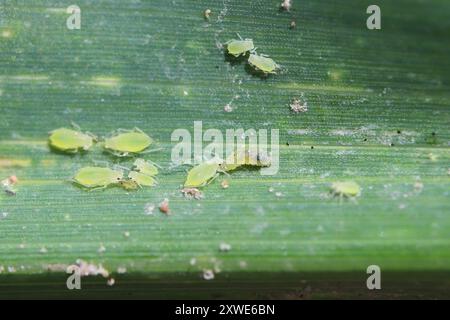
[
  {"x": 240, "y": 47},
  {"x": 262, "y": 63},
  {"x": 347, "y": 189},
  {"x": 142, "y": 179},
  {"x": 122, "y": 144},
  {"x": 97, "y": 177},
  {"x": 71, "y": 141},
  {"x": 202, "y": 174}
]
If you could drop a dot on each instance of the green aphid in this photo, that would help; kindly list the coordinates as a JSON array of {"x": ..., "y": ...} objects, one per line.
[
  {"x": 202, "y": 174},
  {"x": 128, "y": 142},
  {"x": 97, "y": 177},
  {"x": 347, "y": 189},
  {"x": 145, "y": 167},
  {"x": 70, "y": 141},
  {"x": 240, "y": 47},
  {"x": 245, "y": 158},
  {"x": 263, "y": 63},
  {"x": 142, "y": 179}
]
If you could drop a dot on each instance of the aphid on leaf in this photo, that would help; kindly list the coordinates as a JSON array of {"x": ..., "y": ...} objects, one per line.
[
  {"x": 142, "y": 179},
  {"x": 246, "y": 158},
  {"x": 97, "y": 177},
  {"x": 240, "y": 47},
  {"x": 145, "y": 167},
  {"x": 71, "y": 141},
  {"x": 263, "y": 63},
  {"x": 202, "y": 174},
  {"x": 347, "y": 189},
  {"x": 128, "y": 142},
  {"x": 129, "y": 184}
]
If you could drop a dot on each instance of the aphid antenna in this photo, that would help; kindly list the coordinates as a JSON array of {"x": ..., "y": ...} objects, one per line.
[
  {"x": 75, "y": 125},
  {"x": 118, "y": 166},
  {"x": 93, "y": 136},
  {"x": 239, "y": 36},
  {"x": 155, "y": 164}
]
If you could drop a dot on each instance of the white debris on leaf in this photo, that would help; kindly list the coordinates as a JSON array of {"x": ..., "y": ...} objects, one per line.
[
  {"x": 228, "y": 108},
  {"x": 101, "y": 249},
  {"x": 286, "y": 5},
  {"x": 192, "y": 193},
  {"x": 298, "y": 106},
  {"x": 149, "y": 208},
  {"x": 208, "y": 274},
  {"x": 89, "y": 269},
  {"x": 224, "y": 247}
]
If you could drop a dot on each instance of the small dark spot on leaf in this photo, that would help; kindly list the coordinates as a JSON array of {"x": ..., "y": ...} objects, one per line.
[
  {"x": 312, "y": 147},
  {"x": 398, "y": 131}
]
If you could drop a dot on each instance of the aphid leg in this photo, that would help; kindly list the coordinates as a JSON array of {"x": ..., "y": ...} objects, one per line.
[
  {"x": 155, "y": 164},
  {"x": 152, "y": 150},
  {"x": 213, "y": 178},
  {"x": 139, "y": 130},
  {"x": 97, "y": 188},
  {"x": 100, "y": 162}
]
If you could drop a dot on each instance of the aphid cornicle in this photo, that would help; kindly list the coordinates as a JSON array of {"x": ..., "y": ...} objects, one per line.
[
  {"x": 262, "y": 63},
  {"x": 128, "y": 142},
  {"x": 70, "y": 141},
  {"x": 347, "y": 189},
  {"x": 97, "y": 177},
  {"x": 202, "y": 174},
  {"x": 240, "y": 47}
]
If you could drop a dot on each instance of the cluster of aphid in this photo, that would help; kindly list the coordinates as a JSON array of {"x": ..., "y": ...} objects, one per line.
[
  {"x": 261, "y": 62},
  {"x": 121, "y": 143},
  {"x": 206, "y": 172}
]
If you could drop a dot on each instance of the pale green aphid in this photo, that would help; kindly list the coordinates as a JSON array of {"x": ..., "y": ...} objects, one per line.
[
  {"x": 70, "y": 141},
  {"x": 97, "y": 177},
  {"x": 347, "y": 189},
  {"x": 142, "y": 179},
  {"x": 128, "y": 142},
  {"x": 145, "y": 167},
  {"x": 239, "y": 47},
  {"x": 202, "y": 174},
  {"x": 245, "y": 158},
  {"x": 263, "y": 63},
  {"x": 142, "y": 175}
]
